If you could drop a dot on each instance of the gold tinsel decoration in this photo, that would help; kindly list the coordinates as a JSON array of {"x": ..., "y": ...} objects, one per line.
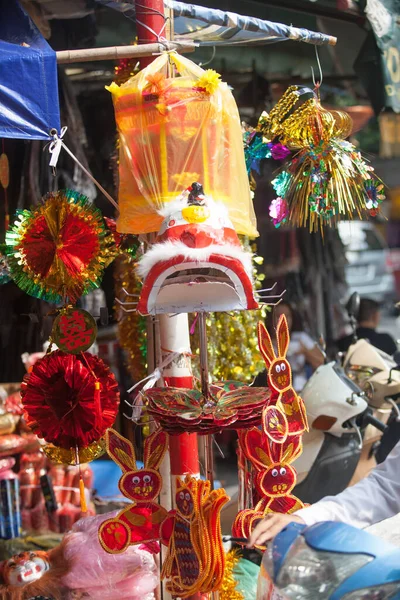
[
  {"x": 326, "y": 178},
  {"x": 228, "y": 589},
  {"x": 131, "y": 326},
  {"x": 232, "y": 338}
]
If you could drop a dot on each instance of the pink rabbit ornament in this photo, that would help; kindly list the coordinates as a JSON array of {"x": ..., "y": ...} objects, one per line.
[{"x": 285, "y": 414}]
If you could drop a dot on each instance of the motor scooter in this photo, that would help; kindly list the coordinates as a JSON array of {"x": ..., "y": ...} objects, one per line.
[
  {"x": 342, "y": 398},
  {"x": 329, "y": 561},
  {"x": 338, "y": 414},
  {"x": 378, "y": 375}
]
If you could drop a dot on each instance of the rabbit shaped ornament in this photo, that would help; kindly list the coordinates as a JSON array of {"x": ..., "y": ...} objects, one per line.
[
  {"x": 272, "y": 449},
  {"x": 285, "y": 414},
  {"x": 140, "y": 522},
  {"x": 275, "y": 477}
]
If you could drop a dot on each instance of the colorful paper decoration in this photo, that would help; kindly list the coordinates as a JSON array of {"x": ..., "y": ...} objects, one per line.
[
  {"x": 325, "y": 177},
  {"x": 197, "y": 262},
  {"x": 231, "y": 404},
  {"x": 195, "y": 560},
  {"x": 173, "y": 131},
  {"x": 58, "y": 251},
  {"x": 285, "y": 415},
  {"x": 272, "y": 449},
  {"x": 70, "y": 401},
  {"x": 140, "y": 522},
  {"x": 74, "y": 330},
  {"x": 275, "y": 478}
]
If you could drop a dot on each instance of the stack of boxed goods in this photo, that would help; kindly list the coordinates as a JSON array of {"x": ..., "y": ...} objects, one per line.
[{"x": 36, "y": 496}]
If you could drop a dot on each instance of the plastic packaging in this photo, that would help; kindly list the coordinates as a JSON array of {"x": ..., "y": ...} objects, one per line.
[
  {"x": 104, "y": 576},
  {"x": 11, "y": 444},
  {"x": 175, "y": 131}
]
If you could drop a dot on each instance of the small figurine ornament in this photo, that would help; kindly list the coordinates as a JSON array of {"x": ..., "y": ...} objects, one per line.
[
  {"x": 195, "y": 560},
  {"x": 196, "y": 195}
]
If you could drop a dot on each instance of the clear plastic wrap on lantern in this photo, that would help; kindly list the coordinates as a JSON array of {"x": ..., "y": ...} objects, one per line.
[{"x": 173, "y": 131}]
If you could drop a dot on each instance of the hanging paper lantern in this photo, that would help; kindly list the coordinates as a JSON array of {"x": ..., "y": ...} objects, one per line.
[
  {"x": 60, "y": 250},
  {"x": 173, "y": 131},
  {"x": 70, "y": 401}
]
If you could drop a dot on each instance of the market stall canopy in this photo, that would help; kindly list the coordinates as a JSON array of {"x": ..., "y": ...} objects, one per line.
[
  {"x": 212, "y": 27},
  {"x": 29, "y": 106}
]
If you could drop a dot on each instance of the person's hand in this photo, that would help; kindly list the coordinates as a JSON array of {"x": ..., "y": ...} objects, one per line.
[{"x": 269, "y": 527}]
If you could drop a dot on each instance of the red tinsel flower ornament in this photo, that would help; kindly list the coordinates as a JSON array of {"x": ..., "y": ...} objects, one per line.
[
  {"x": 59, "y": 250},
  {"x": 70, "y": 400}
]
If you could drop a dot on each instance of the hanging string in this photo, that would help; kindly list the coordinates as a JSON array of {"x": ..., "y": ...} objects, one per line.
[
  {"x": 55, "y": 149},
  {"x": 211, "y": 59},
  {"x": 317, "y": 84}
]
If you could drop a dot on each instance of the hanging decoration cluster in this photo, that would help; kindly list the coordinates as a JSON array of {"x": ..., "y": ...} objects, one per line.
[
  {"x": 131, "y": 325},
  {"x": 70, "y": 401},
  {"x": 273, "y": 448},
  {"x": 58, "y": 252},
  {"x": 195, "y": 558},
  {"x": 324, "y": 177}
]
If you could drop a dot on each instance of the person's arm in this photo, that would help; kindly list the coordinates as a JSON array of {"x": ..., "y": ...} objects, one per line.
[
  {"x": 311, "y": 352},
  {"x": 373, "y": 499}
]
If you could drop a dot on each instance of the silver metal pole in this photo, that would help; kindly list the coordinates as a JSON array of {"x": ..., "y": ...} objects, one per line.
[{"x": 206, "y": 439}]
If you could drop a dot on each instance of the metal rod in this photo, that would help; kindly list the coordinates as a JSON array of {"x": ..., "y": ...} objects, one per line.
[
  {"x": 118, "y": 52},
  {"x": 203, "y": 355},
  {"x": 209, "y": 459},
  {"x": 207, "y": 439}
]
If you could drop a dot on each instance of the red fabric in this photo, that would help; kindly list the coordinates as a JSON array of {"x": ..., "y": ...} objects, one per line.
[
  {"x": 79, "y": 244},
  {"x": 38, "y": 246},
  {"x": 62, "y": 404}
]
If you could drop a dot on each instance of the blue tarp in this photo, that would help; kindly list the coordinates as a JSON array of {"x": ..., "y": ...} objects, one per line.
[{"x": 29, "y": 105}]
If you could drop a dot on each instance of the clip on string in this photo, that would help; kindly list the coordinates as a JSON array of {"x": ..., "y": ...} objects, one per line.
[{"x": 55, "y": 149}]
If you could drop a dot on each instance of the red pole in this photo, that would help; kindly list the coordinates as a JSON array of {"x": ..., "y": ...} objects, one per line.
[
  {"x": 174, "y": 331},
  {"x": 150, "y": 21}
]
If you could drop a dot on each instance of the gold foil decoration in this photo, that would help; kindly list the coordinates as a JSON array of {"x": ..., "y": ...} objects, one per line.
[{"x": 68, "y": 456}]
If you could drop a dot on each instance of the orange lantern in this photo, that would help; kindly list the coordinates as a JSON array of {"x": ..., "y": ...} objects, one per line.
[{"x": 173, "y": 131}]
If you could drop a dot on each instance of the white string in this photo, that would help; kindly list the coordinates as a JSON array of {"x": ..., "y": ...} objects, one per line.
[
  {"x": 151, "y": 11},
  {"x": 151, "y": 380},
  {"x": 210, "y": 60},
  {"x": 156, "y": 374},
  {"x": 159, "y": 37},
  {"x": 55, "y": 149}
]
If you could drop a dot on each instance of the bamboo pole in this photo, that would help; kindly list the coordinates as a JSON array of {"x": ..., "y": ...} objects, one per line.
[{"x": 118, "y": 52}]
